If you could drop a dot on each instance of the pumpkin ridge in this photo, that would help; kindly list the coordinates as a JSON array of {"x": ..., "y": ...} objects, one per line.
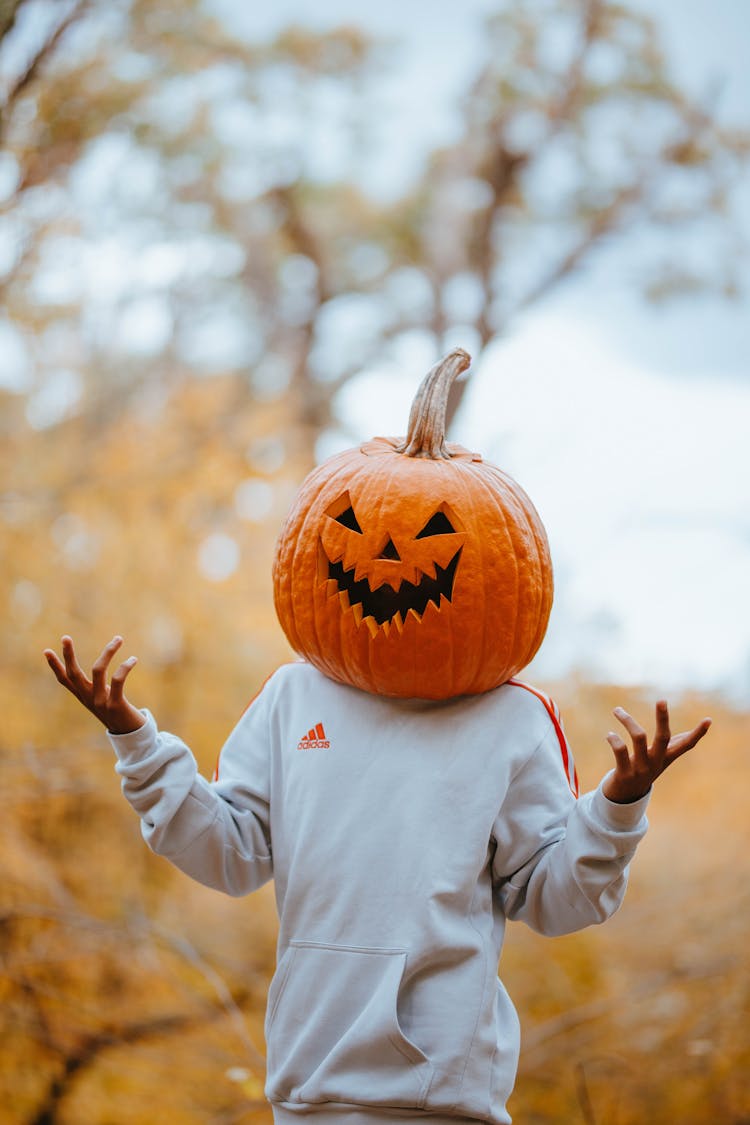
[
  {"x": 328, "y": 485},
  {"x": 466, "y": 483},
  {"x": 542, "y": 546},
  {"x": 544, "y": 565},
  {"x": 509, "y": 526},
  {"x": 296, "y": 518},
  {"x": 541, "y": 622},
  {"x": 535, "y": 527}
]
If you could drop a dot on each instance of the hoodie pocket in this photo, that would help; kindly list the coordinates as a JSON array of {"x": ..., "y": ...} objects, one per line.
[{"x": 333, "y": 1032}]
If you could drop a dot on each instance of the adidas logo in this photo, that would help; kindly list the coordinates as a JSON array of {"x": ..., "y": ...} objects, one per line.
[{"x": 315, "y": 739}]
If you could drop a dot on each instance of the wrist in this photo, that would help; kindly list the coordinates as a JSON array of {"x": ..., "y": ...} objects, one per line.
[
  {"x": 622, "y": 794},
  {"x": 618, "y": 816},
  {"x": 126, "y": 724}
]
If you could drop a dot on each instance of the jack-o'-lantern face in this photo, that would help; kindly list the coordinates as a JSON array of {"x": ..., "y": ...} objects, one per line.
[
  {"x": 383, "y": 580},
  {"x": 413, "y": 574}
]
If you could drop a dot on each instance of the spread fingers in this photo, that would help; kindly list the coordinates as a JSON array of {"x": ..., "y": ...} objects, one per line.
[
  {"x": 118, "y": 680},
  {"x": 99, "y": 670},
  {"x": 620, "y": 751},
  {"x": 72, "y": 667},
  {"x": 637, "y": 734},
  {"x": 57, "y": 667},
  {"x": 681, "y": 743},
  {"x": 663, "y": 733}
]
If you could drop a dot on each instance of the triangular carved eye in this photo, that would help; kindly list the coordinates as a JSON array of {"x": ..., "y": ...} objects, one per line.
[
  {"x": 348, "y": 519},
  {"x": 439, "y": 524}
]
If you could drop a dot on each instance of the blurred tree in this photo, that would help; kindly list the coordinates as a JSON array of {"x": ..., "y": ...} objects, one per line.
[
  {"x": 178, "y": 203},
  {"x": 31, "y": 61},
  {"x": 188, "y": 202},
  {"x": 8, "y": 11},
  {"x": 572, "y": 134},
  {"x": 158, "y": 217}
]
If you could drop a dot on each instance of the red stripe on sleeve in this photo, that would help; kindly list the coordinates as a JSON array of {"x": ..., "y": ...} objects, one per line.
[{"x": 552, "y": 709}]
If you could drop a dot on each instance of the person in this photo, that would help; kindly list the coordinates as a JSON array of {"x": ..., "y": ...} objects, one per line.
[{"x": 401, "y": 835}]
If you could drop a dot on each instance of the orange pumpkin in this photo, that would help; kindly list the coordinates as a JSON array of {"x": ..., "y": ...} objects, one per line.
[{"x": 411, "y": 567}]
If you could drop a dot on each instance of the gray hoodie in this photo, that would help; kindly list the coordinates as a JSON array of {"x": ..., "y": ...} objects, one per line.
[{"x": 401, "y": 835}]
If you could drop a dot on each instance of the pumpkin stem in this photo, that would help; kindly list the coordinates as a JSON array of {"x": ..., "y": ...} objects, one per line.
[{"x": 426, "y": 436}]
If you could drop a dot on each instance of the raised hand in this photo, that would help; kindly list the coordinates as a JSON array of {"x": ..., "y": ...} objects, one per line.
[
  {"x": 105, "y": 700},
  {"x": 636, "y": 770}
]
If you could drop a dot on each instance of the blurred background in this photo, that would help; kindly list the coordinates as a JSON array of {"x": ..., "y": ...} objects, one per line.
[{"x": 233, "y": 238}]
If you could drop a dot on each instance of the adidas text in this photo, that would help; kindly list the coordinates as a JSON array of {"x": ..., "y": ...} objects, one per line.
[{"x": 315, "y": 739}]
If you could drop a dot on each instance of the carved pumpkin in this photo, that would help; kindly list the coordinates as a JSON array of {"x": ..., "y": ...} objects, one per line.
[{"x": 411, "y": 567}]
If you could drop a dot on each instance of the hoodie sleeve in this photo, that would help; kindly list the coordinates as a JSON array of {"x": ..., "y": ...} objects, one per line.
[
  {"x": 217, "y": 832},
  {"x": 561, "y": 863}
]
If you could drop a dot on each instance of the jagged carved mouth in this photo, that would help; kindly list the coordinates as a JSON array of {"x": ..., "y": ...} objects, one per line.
[{"x": 386, "y": 605}]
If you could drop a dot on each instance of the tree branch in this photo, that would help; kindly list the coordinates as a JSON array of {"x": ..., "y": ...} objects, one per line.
[
  {"x": 94, "y": 1045},
  {"x": 43, "y": 53},
  {"x": 561, "y": 109},
  {"x": 91, "y": 1046},
  {"x": 8, "y": 13},
  {"x": 181, "y": 945}
]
